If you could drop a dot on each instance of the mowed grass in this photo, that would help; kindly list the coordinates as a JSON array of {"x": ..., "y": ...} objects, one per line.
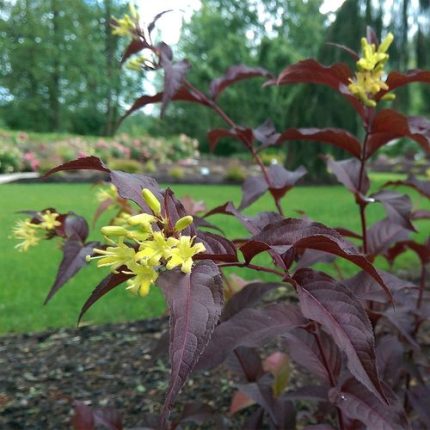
[{"x": 25, "y": 278}]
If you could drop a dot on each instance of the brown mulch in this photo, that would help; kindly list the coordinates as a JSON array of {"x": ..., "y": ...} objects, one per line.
[{"x": 105, "y": 366}]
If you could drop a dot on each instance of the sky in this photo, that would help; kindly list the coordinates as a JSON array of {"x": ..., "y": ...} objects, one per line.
[{"x": 170, "y": 24}]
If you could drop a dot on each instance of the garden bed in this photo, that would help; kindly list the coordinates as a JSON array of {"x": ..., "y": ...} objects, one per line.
[{"x": 107, "y": 366}]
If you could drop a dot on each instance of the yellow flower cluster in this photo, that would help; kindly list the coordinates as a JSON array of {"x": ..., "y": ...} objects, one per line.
[
  {"x": 368, "y": 79},
  {"x": 30, "y": 234},
  {"x": 142, "y": 246},
  {"x": 126, "y": 26}
]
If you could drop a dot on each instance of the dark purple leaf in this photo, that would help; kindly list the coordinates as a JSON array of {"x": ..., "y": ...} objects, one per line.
[
  {"x": 389, "y": 125},
  {"x": 73, "y": 261},
  {"x": 303, "y": 348},
  {"x": 266, "y": 134},
  {"x": 130, "y": 187},
  {"x": 297, "y": 235},
  {"x": 249, "y": 327},
  {"x": 135, "y": 46},
  {"x": 389, "y": 357},
  {"x": 333, "y": 136},
  {"x": 311, "y": 257},
  {"x": 82, "y": 418},
  {"x": 151, "y": 25},
  {"x": 364, "y": 287},
  {"x": 182, "y": 94},
  {"x": 252, "y": 189},
  {"x": 200, "y": 222},
  {"x": 255, "y": 420},
  {"x": 319, "y": 427},
  {"x": 423, "y": 187},
  {"x": 356, "y": 402},
  {"x": 314, "y": 393},
  {"x": 248, "y": 296},
  {"x": 383, "y": 234},
  {"x": 195, "y": 301},
  {"x": 397, "y": 206},
  {"x": 76, "y": 227},
  {"x": 419, "y": 397},
  {"x": 246, "y": 362},
  {"x": 235, "y": 74},
  {"x": 173, "y": 210},
  {"x": 174, "y": 75},
  {"x": 282, "y": 180},
  {"x": 344, "y": 318},
  {"x": 108, "y": 418},
  {"x": 107, "y": 284},
  {"x": 346, "y": 49},
  {"x": 218, "y": 248},
  {"x": 310, "y": 71},
  {"x": 420, "y": 214},
  {"x": 397, "y": 79},
  {"x": 244, "y": 135},
  {"x": 84, "y": 163},
  {"x": 347, "y": 172},
  {"x": 404, "y": 321}
]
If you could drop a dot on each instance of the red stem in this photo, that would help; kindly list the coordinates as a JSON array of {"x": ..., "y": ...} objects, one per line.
[{"x": 254, "y": 267}]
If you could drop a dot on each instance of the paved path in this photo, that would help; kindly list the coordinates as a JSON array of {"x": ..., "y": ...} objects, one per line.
[{"x": 12, "y": 177}]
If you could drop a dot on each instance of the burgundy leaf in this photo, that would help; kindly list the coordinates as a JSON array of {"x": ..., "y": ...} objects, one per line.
[
  {"x": 76, "y": 227},
  {"x": 83, "y": 418},
  {"x": 404, "y": 322},
  {"x": 73, "y": 261},
  {"x": 218, "y": 248},
  {"x": 195, "y": 301},
  {"x": 282, "y": 180},
  {"x": 298, "y": 235},
  {"x": 419, "y": 397},
  {"x": 249, "y": 327},
  {"x": 248, "y": 296},
  {"x": 389, "y": 125},
  {"x": 303, "y": 348},
  {"x": 130, "y": 187},
  {"x": 246, "y": 362},
  {"x": 423, "y": 187},
  {"x": 311, "y": 257},
  {"x": 235, "y": 74},
  {"x": 420, "y": 214},
  {"x": 182, "y": 94},
  {"x": 347, "y": 172},
  {"x": 107, "y": 284},
  {"x": 173, "y": 210},
  {"x": 174, "y": 75},
  {"x": 135, "y": 46},
  {"x": 356, "y": 402},
  {"x": 397, "y": 206},
  {"x": 333, "y": 136},
  {"x": 200, "y": 222},
  {"x": 310, "y": 71},
  {"x": 244, "y": 135},
  {"x": 259, "y": 222},
  {"x": 397, "y": 79},
  {"x": 314, "y": 393},
  {"x": 344, "y": 318},
  {"x": 151, "y": 25},
  {"x": 252, "y": 189},
  {"x": 108, "y": 418},
  {"x": 364, "y": 287},
  {"x": 319, "y": 427},
  {"x": 103, "y": 207},
  {"x": 266, "y": 134},
  {"x": 389, "y": 357},
  {"x": 383, "y": 234},
  {"x": 84, "y": 163},
  {"x": 346, "y": 49}
]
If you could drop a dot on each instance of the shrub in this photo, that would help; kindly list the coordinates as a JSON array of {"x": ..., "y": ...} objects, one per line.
[
  {"x": 235, "y": 172},
  {"x": 177, "y": 172},
  {"x": 357, "y": 339},
  {"x": 129, "y": 166},
  {"x": 10, "y": 160}
]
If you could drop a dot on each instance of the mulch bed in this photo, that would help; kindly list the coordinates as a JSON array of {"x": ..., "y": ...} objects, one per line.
[{"x": 112, "y": 365}]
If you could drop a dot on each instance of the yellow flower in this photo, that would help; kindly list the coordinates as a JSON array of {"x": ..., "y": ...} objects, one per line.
[
  {"x": 368, "y": 79},
  {"x": 144, "y": 277},
  {"x": 114, "y": 256},
  {"x": 126, "y": 25},
  {"x": 156, "y": 249},
  {"x": 28, "y": 233},
  {"x": 122, "y": 219},
  {"x": 49, "y": 220},
  {"x": 182, "y": 254}
]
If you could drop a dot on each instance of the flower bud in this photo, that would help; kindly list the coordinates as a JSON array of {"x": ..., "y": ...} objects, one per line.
[
  {"x": 141, "y": 219},
  {"x": 151, "y": 201},
  {"x": 388, "y": 97},
  {"x": 183, "y": 223},
  {"x": 112, "y": 230},
  {"x": 385, "y": 44}
]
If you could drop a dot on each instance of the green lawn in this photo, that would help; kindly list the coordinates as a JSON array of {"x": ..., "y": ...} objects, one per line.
[{"x": 26, "y": 277}]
